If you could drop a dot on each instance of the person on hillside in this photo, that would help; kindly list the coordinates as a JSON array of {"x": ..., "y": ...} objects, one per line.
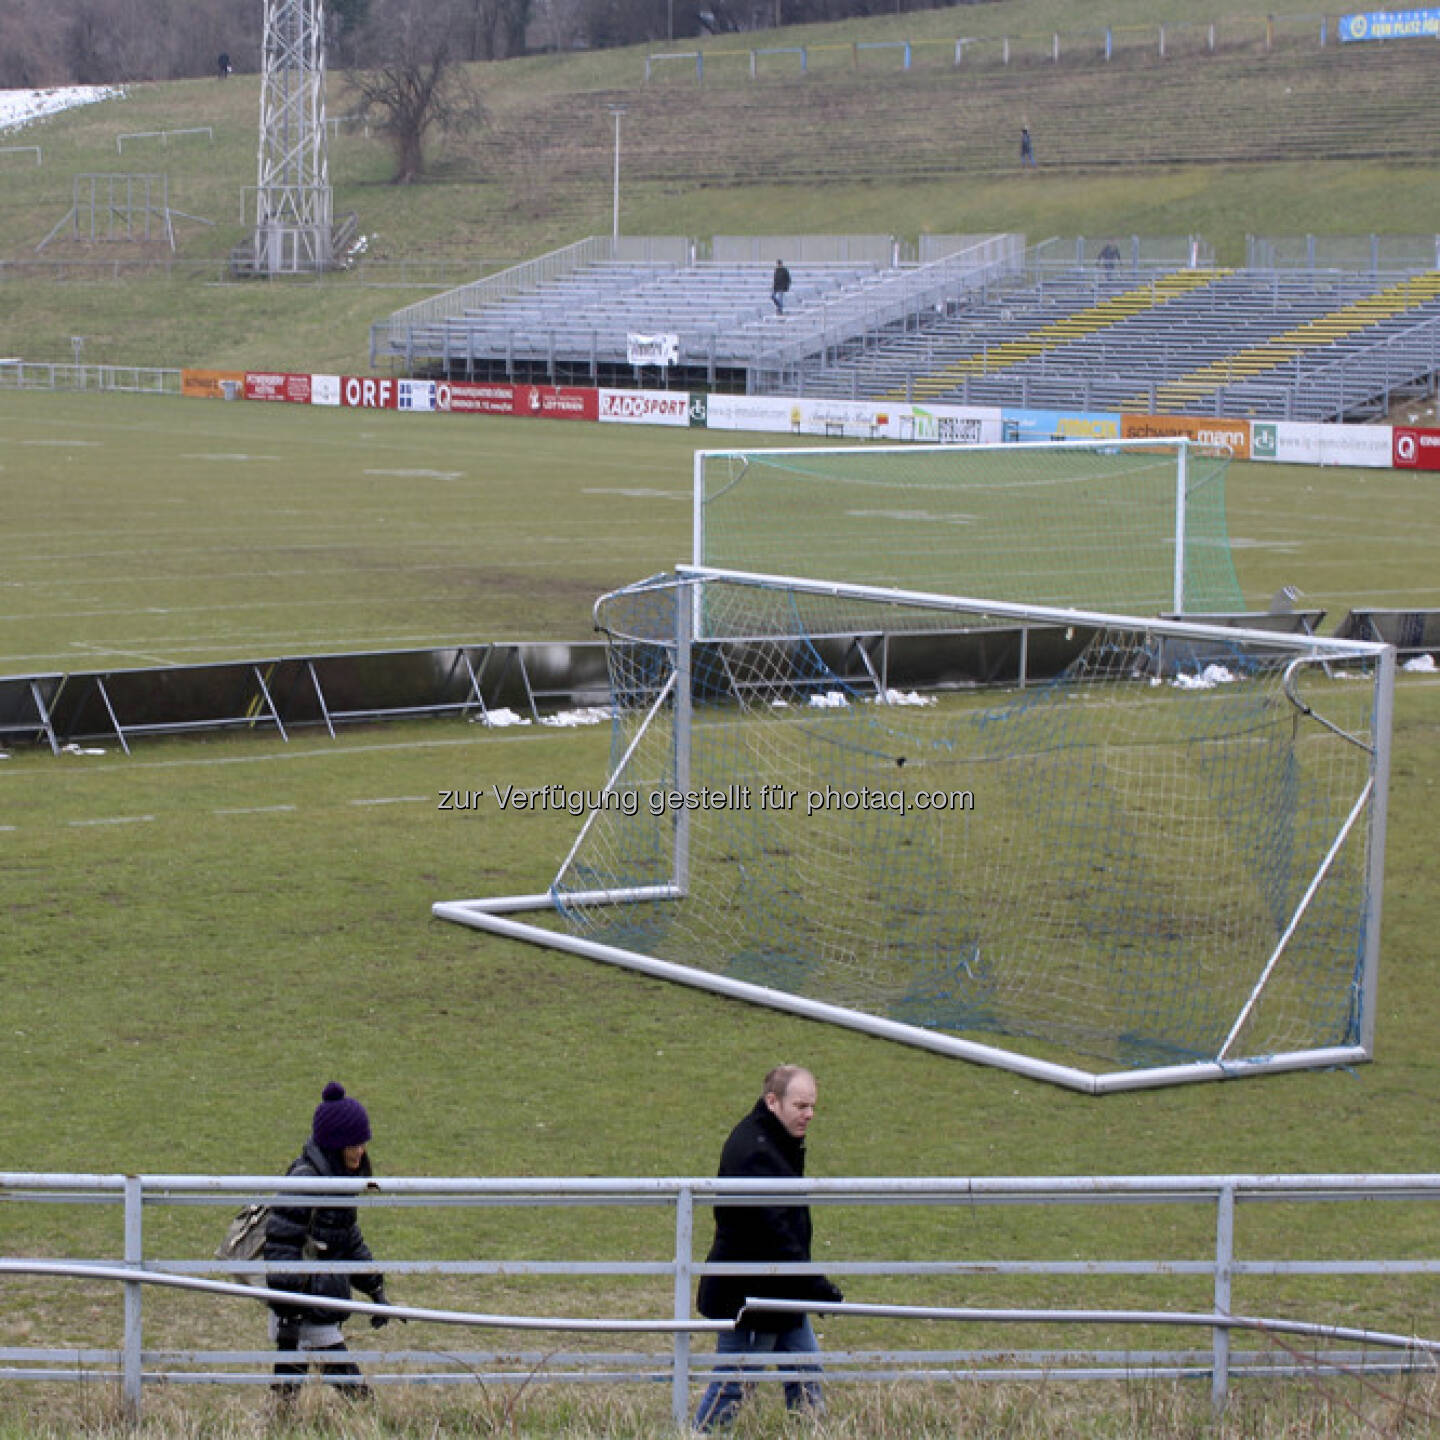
[
  {"x": 769, "y": 1143},
  {"x": 1027, "y": 147},
  {"x": 1109, "y": 258},
  {"x": 327, "y": 1230},
  {"x": 779, "y": 286},
  {"x": 223, "y": 67}
]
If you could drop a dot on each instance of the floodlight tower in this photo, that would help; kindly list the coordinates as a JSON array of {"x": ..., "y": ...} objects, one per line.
[{"x": 292, "y": 194}]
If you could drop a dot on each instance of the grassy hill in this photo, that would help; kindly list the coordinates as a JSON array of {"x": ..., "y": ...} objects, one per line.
[{"x": 1265, "y": 133}]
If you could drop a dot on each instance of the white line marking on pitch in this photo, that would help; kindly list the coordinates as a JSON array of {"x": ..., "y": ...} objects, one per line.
[
  {"x": 419, "y": 474},
  {"x": 255, "y": 810},
  {"x": 114, "y": 820},
  {"x": 393, "y": 800}
]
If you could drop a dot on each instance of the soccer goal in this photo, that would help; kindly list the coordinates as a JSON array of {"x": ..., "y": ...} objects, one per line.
[
  {"x": 1158, "y": 859},
  {"x": 1136, "y": 527}
]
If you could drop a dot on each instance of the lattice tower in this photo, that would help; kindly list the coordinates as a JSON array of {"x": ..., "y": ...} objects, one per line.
[{"x": 293, "y": 196}]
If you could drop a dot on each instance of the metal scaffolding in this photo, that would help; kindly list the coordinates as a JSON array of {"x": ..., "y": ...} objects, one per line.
[{"x": 293, "y": 196}]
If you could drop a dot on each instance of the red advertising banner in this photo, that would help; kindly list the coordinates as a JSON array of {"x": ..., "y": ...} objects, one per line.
[
  {"x": 1413, "y": 449},
  {"x": 368, "y": 392},
  {"x": 543, "y": 402},
  {"x": 277, "y": 385},
  {"x": 557, "y": 402}
]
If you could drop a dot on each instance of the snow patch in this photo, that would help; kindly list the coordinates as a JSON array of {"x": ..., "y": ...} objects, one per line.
[{"x": 19, "y": 107}]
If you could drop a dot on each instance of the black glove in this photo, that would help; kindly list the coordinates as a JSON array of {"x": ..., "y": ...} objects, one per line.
[
  {"x": 826, "y": 1291},
  {"x": 379, "y": 1322},
  {"x": 287, "y": 1329}
]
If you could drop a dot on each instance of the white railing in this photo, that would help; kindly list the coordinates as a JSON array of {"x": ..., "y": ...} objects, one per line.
[{"x": 660, "y": 1284}]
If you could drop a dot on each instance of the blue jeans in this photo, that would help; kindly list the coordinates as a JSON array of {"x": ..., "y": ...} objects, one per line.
[{"x": 722, "y": 1397}]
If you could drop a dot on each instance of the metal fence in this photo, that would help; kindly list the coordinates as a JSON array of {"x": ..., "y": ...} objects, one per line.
[
  {"x": 654, "y": 1277},
  {"x": 46, "y": 375}
]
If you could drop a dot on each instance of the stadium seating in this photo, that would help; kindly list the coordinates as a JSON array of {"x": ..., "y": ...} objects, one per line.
[{"x": 1293, "y": 343}]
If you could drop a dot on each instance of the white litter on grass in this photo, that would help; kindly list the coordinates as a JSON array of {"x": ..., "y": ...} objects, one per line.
[
  {"x": 1421, "y": 664},
  {"x": 498, "y": 719},
  {"x": 908, "y": 697},
  {"x": 73, "y": 749},
  {"x": 1208, "y": 679},
  {"x": 19, "y": 107},
  {"x": 830, "y": 700},
  {"x": 586, "y": 715}
]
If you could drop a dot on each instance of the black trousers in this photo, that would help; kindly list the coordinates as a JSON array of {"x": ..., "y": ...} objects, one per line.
[{"x": 344, "y": 1374}]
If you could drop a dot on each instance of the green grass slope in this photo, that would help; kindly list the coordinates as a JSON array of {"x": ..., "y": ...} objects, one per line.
[{"x": 1242, "y": 139}]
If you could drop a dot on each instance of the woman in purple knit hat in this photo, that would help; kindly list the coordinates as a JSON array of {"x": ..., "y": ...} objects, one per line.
[{"x": 328, "y": 1230}]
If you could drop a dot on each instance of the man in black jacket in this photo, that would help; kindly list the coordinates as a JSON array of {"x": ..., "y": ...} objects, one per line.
[
  {"x": 327, "y": 1230},
  {"x": 769, "y": 1143}
]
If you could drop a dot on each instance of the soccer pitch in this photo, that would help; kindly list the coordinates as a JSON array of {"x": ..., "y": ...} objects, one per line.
[{"x": 199, "y": 936}]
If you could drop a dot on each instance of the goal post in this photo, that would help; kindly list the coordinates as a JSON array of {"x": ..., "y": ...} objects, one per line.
[
  {"x": 1159, "y": 861},
  {"x": 1135, "y": 527}
]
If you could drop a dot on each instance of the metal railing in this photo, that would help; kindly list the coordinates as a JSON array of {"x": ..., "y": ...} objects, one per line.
[
  {"x": 659, "y": 1281},
  {"x": 48, "y": 375}
]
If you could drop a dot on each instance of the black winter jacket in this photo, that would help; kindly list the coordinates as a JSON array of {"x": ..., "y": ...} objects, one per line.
[
  {"x": 332, "y": 1227},
  {"x": 761, "y": 1147}
]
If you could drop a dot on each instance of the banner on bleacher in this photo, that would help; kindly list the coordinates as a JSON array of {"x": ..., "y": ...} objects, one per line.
[
  {"x": 1391, "y": 25},
  {"x": 1061, "y": 425},
  {"x": 1210, "y": 431},
  {"x": 1415, "y": 449},
  {"x": 1299, "y": 442},
  {"x": 645, "y": 407},
  {"x": 652, "y": 349},
  {"x": 541, "y": 402}
]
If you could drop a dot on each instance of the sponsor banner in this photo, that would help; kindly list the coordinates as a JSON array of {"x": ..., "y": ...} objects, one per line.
[
  {"x": 324, "y": 389},
  {"x": 652, "y": 349},
  {"x": 211, "y": 384},
  {"x": 856, "y": 419},
  {"x": 646, "y": 407},
  {"x": 768, "y": 413},
  {"x": 951, "y": 424},
  {"x": 368, "y": 392},
  {"x": 557, "y": 402},
  {"x": 415, "y": 395},
  {"x": 1293, "y": 442},
  {"x": 1390, "y": 25},
  {"x": 277, "y": 385},
  {"x": 699, "y": 409},
  {"x": 466, "y": 397},
  {"x": 1215, "y": 434},
  {"x": 1061, "y": 425},
  {"x": 1416, "y": 449}
]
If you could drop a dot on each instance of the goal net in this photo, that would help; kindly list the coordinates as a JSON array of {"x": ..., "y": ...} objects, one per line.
[
  {"x": 1154, "y": 856},
  {"x": 1131, "y": 526}
]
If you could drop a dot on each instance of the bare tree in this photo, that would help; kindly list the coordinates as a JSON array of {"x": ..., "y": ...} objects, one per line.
[{"x": 412, "y": 79}]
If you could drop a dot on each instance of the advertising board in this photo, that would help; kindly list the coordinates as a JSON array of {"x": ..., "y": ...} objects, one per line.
[
  {"x": 1415, "y": 449},
  {"x": 277, "y": 385},
  {"x": 645, "y": 407},
  {"x": 1210, "y": 431}
]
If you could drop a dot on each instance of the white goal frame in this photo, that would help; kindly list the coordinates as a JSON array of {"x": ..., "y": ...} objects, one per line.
[
  {"x": 495, "y": 914},
  {"x": 1180, "y": 445}
]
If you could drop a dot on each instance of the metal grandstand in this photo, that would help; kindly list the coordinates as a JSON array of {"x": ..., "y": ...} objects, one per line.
[{"x": 1306, "y": 330}]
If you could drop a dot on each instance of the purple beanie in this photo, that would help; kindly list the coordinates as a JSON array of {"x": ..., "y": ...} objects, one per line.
[{"x": 339, "y": 1121}]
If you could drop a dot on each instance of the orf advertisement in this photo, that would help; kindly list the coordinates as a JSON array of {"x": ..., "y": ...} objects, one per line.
[{"x": 1415, "y": 449}]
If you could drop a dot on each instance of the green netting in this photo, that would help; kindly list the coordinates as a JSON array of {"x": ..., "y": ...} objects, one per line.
[
  {"x": 1078, "y": 525},
  {"x": 1103, "y": 862}
]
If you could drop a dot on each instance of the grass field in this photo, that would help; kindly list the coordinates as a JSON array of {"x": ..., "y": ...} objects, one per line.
[
  {"x": 194, "y": 939},
  {"x": 199, "y": 935}
]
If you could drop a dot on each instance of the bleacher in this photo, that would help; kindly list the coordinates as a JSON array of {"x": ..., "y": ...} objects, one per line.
[{"x": 982, "y": 325}]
